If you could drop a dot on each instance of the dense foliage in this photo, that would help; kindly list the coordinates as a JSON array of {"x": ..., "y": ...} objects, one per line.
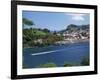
[{"x": 39, "y": 37}]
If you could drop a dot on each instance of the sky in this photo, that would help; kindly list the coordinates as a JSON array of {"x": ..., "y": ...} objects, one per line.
[{"x": 55, "y": 21}]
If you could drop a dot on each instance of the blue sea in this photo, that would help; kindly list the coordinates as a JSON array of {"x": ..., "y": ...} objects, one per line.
[{"x": 72, "y": 53}]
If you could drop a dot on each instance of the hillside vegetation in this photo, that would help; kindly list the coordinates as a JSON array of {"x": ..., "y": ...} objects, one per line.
[{"x": 37, "y": 37}]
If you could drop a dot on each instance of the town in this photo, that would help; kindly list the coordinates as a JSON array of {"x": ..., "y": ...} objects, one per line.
[{"x": 75, "y": 36}]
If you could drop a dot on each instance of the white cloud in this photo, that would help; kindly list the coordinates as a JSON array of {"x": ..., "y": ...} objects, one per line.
[{"x": 77, "y": 17}]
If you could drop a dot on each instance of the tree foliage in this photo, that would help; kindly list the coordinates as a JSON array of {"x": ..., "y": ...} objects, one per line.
[
  {"x": 85, "y": 61},
  {"x": 27, "y": 22}
]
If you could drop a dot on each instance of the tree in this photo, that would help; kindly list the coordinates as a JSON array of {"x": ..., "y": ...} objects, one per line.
[
  {"x": 55, "y": 33},
  {"x": 27, "y": 33},
  {"x": 46, "y": 30},
  {"x": 27, "y": 22}
]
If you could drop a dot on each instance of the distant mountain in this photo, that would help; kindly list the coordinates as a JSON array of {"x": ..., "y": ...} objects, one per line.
[
  {"x": 73, "y": 28},
  {"x": 85, "y": 27}
]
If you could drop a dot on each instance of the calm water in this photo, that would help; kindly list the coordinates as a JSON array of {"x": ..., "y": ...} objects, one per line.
[{"x": 69, "y": 53}]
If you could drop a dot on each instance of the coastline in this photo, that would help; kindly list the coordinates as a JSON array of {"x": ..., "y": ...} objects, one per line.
[
  {"x": 72, "y": 41},
  {"x": 63, "y": 43}
]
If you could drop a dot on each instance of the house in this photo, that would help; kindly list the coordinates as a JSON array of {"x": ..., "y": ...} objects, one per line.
[{"x": 39, "y": 41}]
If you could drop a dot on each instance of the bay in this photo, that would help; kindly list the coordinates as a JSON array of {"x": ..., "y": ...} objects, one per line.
[{"x": 69, "y": 53}]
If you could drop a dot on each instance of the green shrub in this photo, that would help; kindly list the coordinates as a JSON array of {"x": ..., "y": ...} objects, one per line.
[
  {"x": 47, "y": 65},
  {"x": 67, "y": 65},
  {"x": 85, "y": 61}
]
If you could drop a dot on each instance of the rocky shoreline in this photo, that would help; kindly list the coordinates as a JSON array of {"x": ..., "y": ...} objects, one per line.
[
  {"x": 65, "y": 42},
  {"x": 72, "y": 41}
]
